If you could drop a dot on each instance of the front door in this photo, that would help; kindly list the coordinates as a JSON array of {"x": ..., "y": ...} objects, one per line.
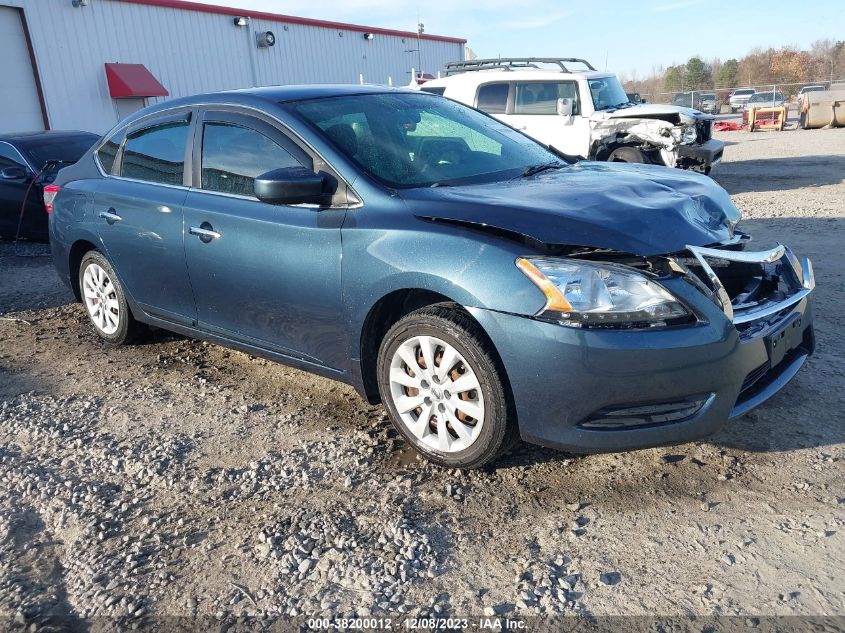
[
  {"x": 266, "y": 275},
  {"x": 33, "y": 222},
  {"x": 139, "y": 216},
  {"x": 534, "y": 111}
]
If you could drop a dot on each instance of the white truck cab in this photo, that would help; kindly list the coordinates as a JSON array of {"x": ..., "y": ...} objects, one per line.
[{"x": 583, "y": 113}]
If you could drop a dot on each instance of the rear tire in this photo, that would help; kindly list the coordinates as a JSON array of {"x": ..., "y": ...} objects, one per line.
[
  {"x": 104, "y": 300},
  {"x": 463, "y": 416},
  {"x": 627, "y": 155}
]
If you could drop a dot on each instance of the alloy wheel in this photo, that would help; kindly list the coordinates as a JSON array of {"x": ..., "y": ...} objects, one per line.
[{"x": 101, "y": 299}]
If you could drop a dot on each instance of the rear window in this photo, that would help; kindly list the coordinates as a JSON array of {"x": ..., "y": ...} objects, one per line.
[
  {"x": 742, "y": 93},
  {"x": 66, "y": 149},
  {"x": 493, "y": 98},
  {"x": 156, "y": 154}
]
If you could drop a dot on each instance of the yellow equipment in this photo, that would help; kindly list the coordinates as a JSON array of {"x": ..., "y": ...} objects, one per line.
[{"x": 770, "y": 118}]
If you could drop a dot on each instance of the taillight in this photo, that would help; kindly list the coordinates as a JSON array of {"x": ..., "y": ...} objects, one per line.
[{"x": 50, "y": 192}]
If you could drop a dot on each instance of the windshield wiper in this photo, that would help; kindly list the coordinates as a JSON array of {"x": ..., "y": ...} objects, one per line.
[{"x": 536, "y": 169}]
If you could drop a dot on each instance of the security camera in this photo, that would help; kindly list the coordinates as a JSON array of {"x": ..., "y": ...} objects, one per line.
[
  {"x": 368, "y": 36},
  {"x": 79, "y": 3},
  {"x": 266, "y": 39}
]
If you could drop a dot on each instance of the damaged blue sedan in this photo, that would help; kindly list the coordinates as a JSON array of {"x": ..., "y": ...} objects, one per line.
[{"x": 478, "y": 284}]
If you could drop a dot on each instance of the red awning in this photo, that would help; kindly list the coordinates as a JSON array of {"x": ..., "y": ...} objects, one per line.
[{"x": 133, "y": 80}]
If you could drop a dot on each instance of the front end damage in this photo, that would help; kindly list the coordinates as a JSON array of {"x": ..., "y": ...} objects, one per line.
[
  {"x": 751, "y": 333},
  {"x": 680, "y": 138},
  {"x": 763, "y": 294}
]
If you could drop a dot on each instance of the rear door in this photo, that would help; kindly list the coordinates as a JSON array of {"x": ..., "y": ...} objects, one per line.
[
  {"x": 138, "y": 211},
  {"x": 263, "y": 274}
]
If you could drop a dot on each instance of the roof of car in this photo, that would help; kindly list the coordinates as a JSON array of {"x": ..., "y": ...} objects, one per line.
[
  {"x": 52, "y": 134},
  {"x": 282, "y": 94},
  {"x": 273, "y": 94}
]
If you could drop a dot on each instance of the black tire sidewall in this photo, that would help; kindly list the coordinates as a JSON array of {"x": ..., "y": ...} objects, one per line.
[
  {"x": 495, "y": 424},
  {"x": 627, "y": 152},
  {"x": 125, "y": 321}
]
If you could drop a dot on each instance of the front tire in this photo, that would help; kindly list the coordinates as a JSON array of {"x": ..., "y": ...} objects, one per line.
[
  {"x": 104, "y": 300},
  {"x": 444, "y": 388},
  {"x": 626, "y": 155}
]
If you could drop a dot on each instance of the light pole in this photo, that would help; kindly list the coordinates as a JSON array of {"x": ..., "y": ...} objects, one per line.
[{"x": 420, "y": 30}]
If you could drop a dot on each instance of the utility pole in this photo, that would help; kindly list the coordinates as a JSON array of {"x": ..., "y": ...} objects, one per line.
[{"x": 420, "y": 30}]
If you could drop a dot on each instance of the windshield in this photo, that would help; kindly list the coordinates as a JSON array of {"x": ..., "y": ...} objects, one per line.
[
  {"x": 743, "y": 93},
  {"x": 766, "y": 96},
  {"x": 607, "y": 93},
  {"x": 67, "y": 149},
  {"x": 419, "y": 140}
]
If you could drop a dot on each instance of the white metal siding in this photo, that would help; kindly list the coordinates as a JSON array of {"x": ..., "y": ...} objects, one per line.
[
  {"x": 20, "y": 108},
  {"x": 192, "y": 52}
]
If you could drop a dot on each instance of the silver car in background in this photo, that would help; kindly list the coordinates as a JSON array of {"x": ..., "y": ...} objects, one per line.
[{"x": 739, "y": 98}]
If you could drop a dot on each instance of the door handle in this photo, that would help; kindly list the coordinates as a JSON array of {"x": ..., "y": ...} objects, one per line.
[
  {"x": 110, "y": 216},
  {"x": 205, "y": 234}
]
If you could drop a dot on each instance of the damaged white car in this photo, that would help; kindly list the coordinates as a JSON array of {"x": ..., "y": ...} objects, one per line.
[{"x": 581, "y": 113}]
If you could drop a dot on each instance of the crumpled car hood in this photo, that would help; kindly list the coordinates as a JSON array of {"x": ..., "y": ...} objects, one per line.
[
  {"x": 652, "y": 111},
  {"x": 642, "y": 210}
]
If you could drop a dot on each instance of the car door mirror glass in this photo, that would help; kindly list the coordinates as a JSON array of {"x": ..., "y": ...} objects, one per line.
[
  {"x": 291, "y": 185},
  {"x": 13, "y": 173}
]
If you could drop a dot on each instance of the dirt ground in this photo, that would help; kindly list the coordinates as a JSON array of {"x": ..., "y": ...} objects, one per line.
[{"x": 179, "y": 478}]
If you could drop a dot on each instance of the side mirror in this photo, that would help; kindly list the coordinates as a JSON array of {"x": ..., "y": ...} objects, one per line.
[
  {"x": 643, "y": 101},
  {"x": 291, "y": 185},
  {"x": 14, "y": 173},
  {"x": 564, "y": 107}
]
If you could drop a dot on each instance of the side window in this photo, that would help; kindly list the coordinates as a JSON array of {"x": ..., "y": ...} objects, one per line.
[
  {"x": 232, "y": 156},
  {"x": 541, "y": 98},
  {"x": 108, "y": 152},
  {"x": 10, "y": 157},
  {"x": 156, "y": 154},
  {"x": 493, "y": 98}
]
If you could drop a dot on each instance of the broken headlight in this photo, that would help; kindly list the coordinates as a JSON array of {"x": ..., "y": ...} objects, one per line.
[
  {"x": 582, "y": 294},
  {"x": 689, "y": 135}
]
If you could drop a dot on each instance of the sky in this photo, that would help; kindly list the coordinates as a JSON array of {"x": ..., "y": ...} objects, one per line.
[{"x": 631, "y": 36}]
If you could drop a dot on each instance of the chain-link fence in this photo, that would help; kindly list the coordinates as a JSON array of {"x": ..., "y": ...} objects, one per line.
[{"x": 697, "y": 98}]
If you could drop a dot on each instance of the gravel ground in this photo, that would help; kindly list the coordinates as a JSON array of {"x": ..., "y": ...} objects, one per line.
[{"x": 179, "y": 478}]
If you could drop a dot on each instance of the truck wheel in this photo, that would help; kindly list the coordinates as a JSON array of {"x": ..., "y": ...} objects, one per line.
[
  {"x": 444, "y": 389},
  {"x": 626, "y": 155}
]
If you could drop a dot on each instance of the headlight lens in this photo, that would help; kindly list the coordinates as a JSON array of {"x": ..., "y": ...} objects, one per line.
[
  {"x": 582, "y": 294},
  {"x": 689, "y": 135}
]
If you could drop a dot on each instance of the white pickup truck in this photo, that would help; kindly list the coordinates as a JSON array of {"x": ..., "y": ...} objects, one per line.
[{"x": 583, "y": 113}]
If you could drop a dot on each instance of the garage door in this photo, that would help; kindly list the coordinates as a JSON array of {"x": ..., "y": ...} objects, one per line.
[{"x": 20, "y": 108}]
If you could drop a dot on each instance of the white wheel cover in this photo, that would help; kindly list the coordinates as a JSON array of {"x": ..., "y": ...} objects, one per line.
[
  {"x": 100, "y": 299},
  {"x": 437, "y": 394}
]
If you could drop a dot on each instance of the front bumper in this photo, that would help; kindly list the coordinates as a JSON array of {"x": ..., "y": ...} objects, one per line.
[
  {"x": 705, "y": 154},
  {"x": 567, "y": 382}
]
